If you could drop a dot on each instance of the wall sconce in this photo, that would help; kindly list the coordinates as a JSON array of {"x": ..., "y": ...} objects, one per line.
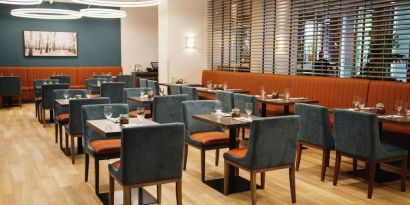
[{"x": 190, "y": 42}]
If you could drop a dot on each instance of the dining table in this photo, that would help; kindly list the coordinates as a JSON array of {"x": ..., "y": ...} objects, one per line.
[
  {"x": 143, "y": 100},
  {"x": 225, "y": 120},
  {"x": 112, "y": 128},
  {"x": 168, "y": 85},
  {"x": 286, "y": 103}
]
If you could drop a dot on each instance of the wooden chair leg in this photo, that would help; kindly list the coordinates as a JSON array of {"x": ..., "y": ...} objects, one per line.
[
  {"x": 159, "y": 190},
  {"x": 243, "y": 133},
  {"x": 203, "y": 165},
  {"x": 403, "y": 174},
  {"x": 111, "y": 192},
  {"x": 127, "y": 195},
  {"x": 323, "y": 171},
  {"x": 185, "y": 155},
  {"x": 72, "y": 145},
  {"x": 226, "y": 178},
  {"x": 179, "y": 191},
  {"x": 216, "y": 157},
  {"x": 60, "y": 131},
  {"x": 97, "y": 176},
  {"x": 337, "y": 168},
  {"x": 56, "y": 131},
  {"x": 86, "y": 166},
  {"x": 19, "y": 97},
  {"x": 262, "y": 180},
  {"x": 253, "y": 187},
  {"x": 327, "y": 157},
  {"x": 354, "y": 166},
  {"x": 66, "y": 143},
  {"x": 372, "y": 173},
  {"x": 43, "y": 114},
  {"x": 298, "y": 155},
  {"x": 292, "y": 183}
]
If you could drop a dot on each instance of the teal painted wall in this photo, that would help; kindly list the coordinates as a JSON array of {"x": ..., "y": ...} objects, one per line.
[{"x": 99, "y": 40}]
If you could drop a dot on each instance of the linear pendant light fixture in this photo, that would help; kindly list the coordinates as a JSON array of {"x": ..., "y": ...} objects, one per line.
[
  {"x": 21, "y": 2},
  {"x": 102, "y": 13},
  {"x": 119, "y": 3}
]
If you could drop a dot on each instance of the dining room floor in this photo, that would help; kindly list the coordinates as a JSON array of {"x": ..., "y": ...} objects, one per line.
[{"x": 35, "y": 171}]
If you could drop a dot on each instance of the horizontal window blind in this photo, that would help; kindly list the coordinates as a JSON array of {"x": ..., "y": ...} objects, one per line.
[{"x": 339, "y": 38}]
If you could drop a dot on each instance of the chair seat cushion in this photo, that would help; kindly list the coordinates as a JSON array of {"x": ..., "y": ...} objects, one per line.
[
  {"x": 134, "y": 113},
  {"x": 63, "y": 118},
  {"x": 211, "y": 138},
  {"x": 106, "y": 146},
  {"x": 116, "y": 165},
  {"x": 394, "y": 150},
  {"x": 240, "y": 152}
]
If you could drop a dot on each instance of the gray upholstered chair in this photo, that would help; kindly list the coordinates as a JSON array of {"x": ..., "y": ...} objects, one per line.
[
  {"x": 240, "y": 100},
  {"x": 226, "y": 98},
  {"x": 108, "y": 78},
  {"x": 37, "y": 92},
  {"x": 89, "y": 82},
  {"x": 135, "y": 92},
  {"x": 47, "y": 98},
  {"x": 75, "y": 127},
  {"x": 272, "y": 146},
  {"x": 175, "y": 89},
  {"x": 167, "y": 109},
  {"x": 143, "y": 83},
  {"x": 314, "y": 132},
  {"x": 96, "y": 146},
  {"x": 191, "y": 92},
  {"x": 135, "y": 170},
  {"x": 154, "y": 86},
  {"x": 127, "y": 79},
  {"x": 357, "y": 136},
  {"x": 10, "y": 86},
  {"x": 202, "y": 135},
  {"x": 62, "y": 79},
  {"x": 61, "y": 116},
  {"x": 114, "y": 91}
]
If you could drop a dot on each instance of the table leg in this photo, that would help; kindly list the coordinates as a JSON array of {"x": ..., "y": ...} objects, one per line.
[
  {"x": 51, "y": 116},
  {"x": 263, "y": 109},
  {"x": 80, "y": 145},
  {"x": 286, "y": 109}
]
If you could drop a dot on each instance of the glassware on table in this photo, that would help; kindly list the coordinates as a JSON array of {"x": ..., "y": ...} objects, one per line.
[
  {"x": 98, "y": 83},
  {"x": 398, "y": 105},
  {"x": 150, "y": 93},
  {"x": 66, "y": 94},
  {"x": 407, "y": 108},
  {"x": 140, "y": 113},
  {"x": 356, "y": 101},
  {"x": 44, "y": 82},
  {"x": 142, "y": 92},
  {"x": 248, "y": 109},
  {"x": 263, "y": 92},
  {"x": 162, "y": 91},
  {"x": 218, "y": 108},
  {"x": 108, "y": 111},
  {"x": 88, "y": 93},
  {"x": 225, "y": 86},
  {"x": 209, "y": 84},
  {"x": 286, "y": 94},
  {"x": 362, "y": 104}
]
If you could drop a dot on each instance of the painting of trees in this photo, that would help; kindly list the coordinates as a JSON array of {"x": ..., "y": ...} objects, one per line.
[{"x": 44, "y": 43}]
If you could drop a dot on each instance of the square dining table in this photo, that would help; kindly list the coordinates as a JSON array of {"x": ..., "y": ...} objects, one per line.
[{"x": 286, "y": 103}]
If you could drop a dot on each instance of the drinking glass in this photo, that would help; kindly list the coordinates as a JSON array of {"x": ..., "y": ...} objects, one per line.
[
  {"x": 66, "y": 94},
  {"x": 263, "y": 92},
  {"x": 225, "y": 86},
  {"x": 218, "y": 108},
  {"x": 108, "y": 111},
  {"x": 44, "y": 82},
  {"x": 209, "y": 85},
  {"x": 398, "y": 106},
  {"x": 142, "y": 92},
  {"x": 140, "y": 113},
  {"x": 408, "y": 109},
  {"x": 98, "y": 83},
  {"x": 248, "y": 109},
  {"x": 362, "y": 104},
  {"x": 356, "y": 101},
  {"x": 286, "y": 94},
  {"x": 88, "y": 93},
  {"x": 162, "y": 91}
]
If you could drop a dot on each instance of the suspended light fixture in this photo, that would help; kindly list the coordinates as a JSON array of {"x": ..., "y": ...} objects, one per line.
[
  {"x": 46, "y": 13},
  {"x": 102, "y": 13},
  {"x": 119, "y": 3},
  {"x": 21, "y": 2}
]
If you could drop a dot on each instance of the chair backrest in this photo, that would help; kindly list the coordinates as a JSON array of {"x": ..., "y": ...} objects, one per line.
[
  {"x": 143, "y": 83},
  {"x": 59, "y": 94},
  {"x": 39, "y": 82},
  {"x": 127, "y": 79},
  {"x": 62, "y": 79},
  {"x": 175, "y": 89},
  {"x": 314, "y": 125},
  {"x": 272, "y": 142},
  {"x": 134, "y": 92},
  {"x": 240, "y": 100},
  {"x": 96, "y": 112},
  {"x": 90, "y": 81},
  {"x": 196, "y": 107},
  {"x": 47, "y": 96},
  {"x": 226, "y": 98},
  {"x": 142, "y": 162},
  {"x": 115, "y": 91},
  {"x": 10, "y": 85},
  {"x": 191, "y": 92},
  {"x": 356, "y": 133},
  {"x": 108, "y": 78},
  {"x": 167, "y": 109},
  {"x": 76, "y": 126},
  {"x": 154, "y": 86}
]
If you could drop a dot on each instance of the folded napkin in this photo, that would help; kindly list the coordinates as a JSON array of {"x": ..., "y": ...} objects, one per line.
[
  {"x": 243, "y": 119},
  {"x": 222, "y": 114}
]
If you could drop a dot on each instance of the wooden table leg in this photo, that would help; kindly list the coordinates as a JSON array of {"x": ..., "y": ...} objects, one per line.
[{"x": 263, "y": 109}]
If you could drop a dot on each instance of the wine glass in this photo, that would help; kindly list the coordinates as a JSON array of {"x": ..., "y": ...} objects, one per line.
[
  {"x": 218, "y": 108},
  {"x": 209, "y": 85},
  {"x": 108, "y": 111},
  {"x": 408, "y": 109},
  {"x": 225, "y": 86},
  {"x": 44, "y": 82},
  {"x": 286, "y": 94},
  {"x": 98, "y": 83},
  {"x": 248, "y": 109},
  {"x": 362, "y": 104},
  {"x": 398, "y": 106},
  {"x": 356, "y": 101},
  {"x": 142, "y": 92},
  {"x": 162, "y": 91},
  {"x": 88, "y": 93},
  {"x": 263, "y": 92},
  {"x": 140, "y": 113},
  {"x": 66, "y": 94}
]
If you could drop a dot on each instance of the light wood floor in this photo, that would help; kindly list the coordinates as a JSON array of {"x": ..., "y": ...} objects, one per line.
[{"x": 35, "y": 171}]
